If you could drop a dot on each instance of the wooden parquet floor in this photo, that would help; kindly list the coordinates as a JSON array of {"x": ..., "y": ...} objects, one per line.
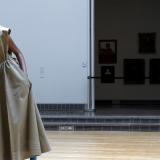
[{"x": 102, "y": 145}]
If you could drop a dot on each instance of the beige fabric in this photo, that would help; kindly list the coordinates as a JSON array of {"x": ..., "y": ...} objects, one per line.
[{"x": 22, "y": 134}]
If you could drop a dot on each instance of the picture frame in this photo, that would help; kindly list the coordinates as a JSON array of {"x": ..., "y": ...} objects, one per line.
[
  {"x": 134, "y": 71},
  {"x": 107, "y": 74},
  {"x": 154, "y": 71},
  {"x": 147, "y": 43},
  {"x": 107, "y": 51}
]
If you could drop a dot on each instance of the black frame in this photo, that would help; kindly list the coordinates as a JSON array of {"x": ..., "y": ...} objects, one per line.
[
  {"x": 154, "y": 71},
  {"x": 134, "y": 71},
  {"x": 111, "y": 57},
  {"x": 110, "y": 77},
  {"x": 147, "y": 43}
]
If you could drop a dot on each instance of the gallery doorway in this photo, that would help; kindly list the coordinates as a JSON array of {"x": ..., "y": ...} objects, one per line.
[{"x": 126, "y": 61}]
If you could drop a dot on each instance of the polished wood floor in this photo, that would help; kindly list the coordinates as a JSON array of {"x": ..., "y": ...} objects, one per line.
[{"x": 103, "y": 146}]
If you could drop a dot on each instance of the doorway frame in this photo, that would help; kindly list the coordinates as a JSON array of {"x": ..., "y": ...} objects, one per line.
[{"x": 91, "y": 58}]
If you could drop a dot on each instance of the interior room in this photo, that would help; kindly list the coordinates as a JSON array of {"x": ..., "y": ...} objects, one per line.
[{"x": 130, "y": 66}]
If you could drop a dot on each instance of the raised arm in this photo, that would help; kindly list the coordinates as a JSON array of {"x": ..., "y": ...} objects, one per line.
[{"x": 13, "y": 48}]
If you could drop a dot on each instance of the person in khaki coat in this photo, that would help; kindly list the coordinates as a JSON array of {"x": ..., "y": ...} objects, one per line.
[{"x": 22, "y": 134}]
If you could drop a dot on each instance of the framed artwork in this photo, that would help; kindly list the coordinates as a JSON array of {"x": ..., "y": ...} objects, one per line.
[
  {"x": 107, "y": 74},
  {"x": 147, "y": 43},
  {"x": 134, "y": 71},
  {"x": 107, "y": 51},
  {"x": 154, "y": 71}
]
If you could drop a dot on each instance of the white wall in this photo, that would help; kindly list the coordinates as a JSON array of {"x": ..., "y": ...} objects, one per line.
[
  {"x": 54, "y": 38},
  {"x": 123, "y": 20}
]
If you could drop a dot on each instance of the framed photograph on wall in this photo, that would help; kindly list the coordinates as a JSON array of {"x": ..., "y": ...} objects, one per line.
[
  {"x": 147, "y": 43},
  {"x": 107, "y": 51},
  {"x": 154, "y": 71},
  {"x": 107, "y": 74},
  {"x": 134, "y": 71}
]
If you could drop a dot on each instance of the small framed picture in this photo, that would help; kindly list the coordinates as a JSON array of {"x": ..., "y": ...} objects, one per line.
[
  {"x": 147, "y": 43},
  {"x": 134, "y": 71},
  {"x": 154, "y": 71},
  {"x": 107, "y": 51},
  {"x": 107, "y": 74}
]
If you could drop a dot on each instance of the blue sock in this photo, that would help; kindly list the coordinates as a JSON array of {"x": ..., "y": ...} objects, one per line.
[{"x": 33, "y": 158}]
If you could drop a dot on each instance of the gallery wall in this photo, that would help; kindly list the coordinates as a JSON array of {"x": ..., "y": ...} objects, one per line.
[
  {"x": 122, "y": 21},
  {"x": 54, "y": 38}
]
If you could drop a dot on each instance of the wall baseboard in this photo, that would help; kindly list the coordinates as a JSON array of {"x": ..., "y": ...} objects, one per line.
[
  {"x": 61, "y": 107},
  {"x": 127, "y": 102}
]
